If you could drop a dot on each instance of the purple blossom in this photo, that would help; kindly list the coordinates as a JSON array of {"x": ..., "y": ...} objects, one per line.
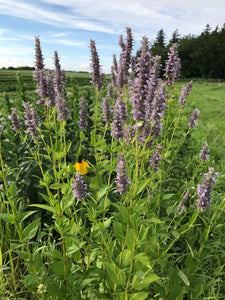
[
  {"x": 157, "y": 112},
  {"x": 39, "y": 73},
  {"x": 31, "y": 120},
  {"x": 42, "y": 88},
  {"x": 205, "y": 189},
  {"x": 62, "y": 107},
  {"x": 106, "y": 109},
  {"x": 97, "y": 78},
  {"x": 121, "y": 179},
  {"x": 139, "y": 88},
  {"x": 83, "y": 113},
  {"x": 173, "y": 65},
  {"x": 155, "y": 159},
  {"x": 185, "y": 91},
  {"x": 79, "y": 187},
  {"x": 128, "y": 134},
  {"x": 119, "y": 117},
  {"x": 51, "y": 90},
  {"x": 15, "y": 120},
  {"x": 181, "y": 204},
  {"x": 193, "y": 121},
  {"x": 204, "y": 154}
]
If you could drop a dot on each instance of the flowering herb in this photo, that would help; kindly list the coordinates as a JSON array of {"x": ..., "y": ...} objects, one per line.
[
  {"x": 204, "y": 154},
  {"x": 205, "y": 189},
  {"x": 79, "y": 187},
  {"x": 121, "y": 179}
]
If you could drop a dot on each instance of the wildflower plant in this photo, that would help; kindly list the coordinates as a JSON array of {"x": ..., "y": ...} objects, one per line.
[{"x": 121, "y": 223}]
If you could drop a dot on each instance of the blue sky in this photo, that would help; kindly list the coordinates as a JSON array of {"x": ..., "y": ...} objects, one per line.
[{"x": 68, "y": 25}]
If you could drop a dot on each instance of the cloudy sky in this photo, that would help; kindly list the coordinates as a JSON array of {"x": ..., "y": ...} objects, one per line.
[{"x": 68, "y": 25}]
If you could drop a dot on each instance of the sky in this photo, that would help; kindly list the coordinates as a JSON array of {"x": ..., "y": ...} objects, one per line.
[{"x": 66, "y": 26}]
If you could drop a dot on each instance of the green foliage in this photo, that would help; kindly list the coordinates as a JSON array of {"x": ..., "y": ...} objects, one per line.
[{"x": 107, "y": 246}]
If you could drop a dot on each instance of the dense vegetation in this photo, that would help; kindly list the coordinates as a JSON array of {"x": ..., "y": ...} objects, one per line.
[
  {"x": 202, "y": 56},
  {"x": 140, "y": 214}
]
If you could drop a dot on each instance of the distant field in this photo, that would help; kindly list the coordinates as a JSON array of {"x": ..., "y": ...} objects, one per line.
[{"x": 8, "y": 81}]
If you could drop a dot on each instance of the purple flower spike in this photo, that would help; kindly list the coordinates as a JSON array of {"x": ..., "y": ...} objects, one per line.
[
  {"x": 155, "y": 159},
  {"x": 173, "y": 65},
  {"x": 185, "y": 91},
  {"x": 194, "y": 118},
  {"x": 205, "y": 189},
  {"x": 83, "y": 113},
  {"x": 79, "y": 187},
  {"x": 119, "y": 117},
  {"x": 106, "y": 109},
  {"x": 15, "y": 120},
  {"x": 204, "y": 154},
  {"x": 121, "y": 179},
  {"x": 97, "y": 77},
  {"x": 31, "y": 120}
]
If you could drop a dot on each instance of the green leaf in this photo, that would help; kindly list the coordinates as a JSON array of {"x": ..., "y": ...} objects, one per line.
[
  {"x": 56, "y": 186},
  {"x": 25, "y": 215},
  {"x": 30, "y": 231},
  {"x": 155, "y": 220},
  {"x": 142, "y": 184},
  {"x": 139, "y": 296},
  {"x": 102, "y": 192},
  {"x": 111, "y": 270},
  {"x": 22, "y": 254},
  {"x": 183, "y": 277},
  {"x": 130, "y": 239},
  {"x": 147, "y": 281},
  {"x": 43, "y": 206}
]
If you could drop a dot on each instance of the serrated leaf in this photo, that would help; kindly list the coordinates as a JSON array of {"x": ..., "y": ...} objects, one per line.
[{"x": 142, "y": 185}]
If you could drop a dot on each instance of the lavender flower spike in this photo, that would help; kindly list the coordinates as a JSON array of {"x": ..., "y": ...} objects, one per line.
[
  {"x": 121, "y": 179},
  {"x": 106, "y": 109},
  {"x": 194, "y": 118},
  {"x": 79, "y": 188},
  {"x": 173, "y": 65},
  {"x": 185, "y": 91},
  {"x": 97, "y": 78},
  {"x": 155, "y": 159},
  {"x": 15, "y": 120},
  {"x": 31, "y": 120},
  {"x": 204, "y": 156},
  {"x": 83, "y": 113},
  {"x": 205, "y": 189}
]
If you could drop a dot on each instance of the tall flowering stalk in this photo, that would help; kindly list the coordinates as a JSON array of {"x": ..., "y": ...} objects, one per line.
[
  {"x": 122, "y": 179},
  {"x": 15, "y": 120},
  {"x": 106, "y": 109},
  {"x": 205, "y": 189},
  {"x": 139, "y": 88},
  {"x": 97, "y": 77},
  {"x": 184, "y": 93},
  {"x": 204, "y": 153},
  {"x": 193, "y": 121},
  {"x": 173, "y": 65},
  {"x": 40, "y": 73},
  {"x": 32, "y": 120},
  {"x": 60, "y": 101},
  {"x": 51, "y": 90},
  {"x": 83, "y": 113},
  {"x": 79, "y": 187},
  {"x": 155, "y": 158},
  {"x": 119, "y": 117}
]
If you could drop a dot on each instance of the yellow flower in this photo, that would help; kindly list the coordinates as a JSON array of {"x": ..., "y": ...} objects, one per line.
[{"x": 81, "y": 166}]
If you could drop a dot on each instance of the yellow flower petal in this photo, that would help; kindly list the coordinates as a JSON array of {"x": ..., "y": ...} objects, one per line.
[{"x": 82, "y": 167}]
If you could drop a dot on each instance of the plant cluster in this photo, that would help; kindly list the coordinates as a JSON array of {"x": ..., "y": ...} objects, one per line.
[{"x": 97, "y": 201}]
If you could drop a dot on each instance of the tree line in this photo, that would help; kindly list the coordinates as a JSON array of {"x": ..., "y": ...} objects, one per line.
[{"x": 201, "y": 56}]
